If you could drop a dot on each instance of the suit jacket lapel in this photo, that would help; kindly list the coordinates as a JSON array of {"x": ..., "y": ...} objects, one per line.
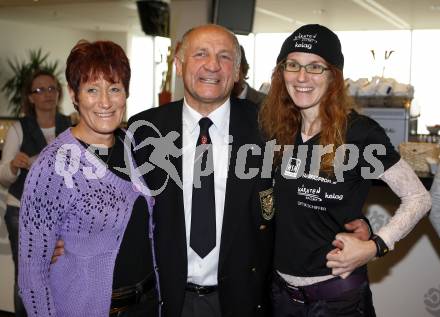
[
  {"x": 169, "y": 209},
  {"x": 177, "y": 161},
  {"x": 233, "y": 194},
  {"x": 174, "y": 123}
]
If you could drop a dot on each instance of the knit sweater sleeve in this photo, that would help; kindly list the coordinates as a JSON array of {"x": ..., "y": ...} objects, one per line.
[
  {"x": 415, "y": 202},
  {"x": 44, "y": 210},
  {"x": 14, "y": 139}
]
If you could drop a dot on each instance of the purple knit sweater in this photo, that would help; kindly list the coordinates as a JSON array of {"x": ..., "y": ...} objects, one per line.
[{"x": 89, "y": 208}]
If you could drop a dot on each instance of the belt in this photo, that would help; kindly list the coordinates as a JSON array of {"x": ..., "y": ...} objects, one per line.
[
  {"x": 199, "y": 289},
  {"x": 124, "y": 297},
  {"x": 329, "y": 289}
]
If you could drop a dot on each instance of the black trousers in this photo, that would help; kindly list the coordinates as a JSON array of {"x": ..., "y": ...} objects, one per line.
[
  {"x": 11, "y": 220},
  {"x": 354, "y": 303},
  {"x": 201, "y": 306},
  {"x": 147, "y": 307}
]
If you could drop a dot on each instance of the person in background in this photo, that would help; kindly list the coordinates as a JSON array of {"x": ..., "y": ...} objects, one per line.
[
  {"x": 24, "y": 141},
  {"x": 241, "y": 89},
  {"x": 315, "y": 193},
  {"x": 434, "y": 216},
  {"x": 75, "y": 192}
]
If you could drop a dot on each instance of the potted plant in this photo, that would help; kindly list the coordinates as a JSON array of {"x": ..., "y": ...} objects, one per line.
[{"x": 21, "y": 71}]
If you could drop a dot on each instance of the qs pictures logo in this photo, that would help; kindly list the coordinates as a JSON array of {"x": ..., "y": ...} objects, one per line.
[{"x": 432, "y": 301}]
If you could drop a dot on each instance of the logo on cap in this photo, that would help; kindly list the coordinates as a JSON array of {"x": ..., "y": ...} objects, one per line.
[{"x": 305, "y": 40}]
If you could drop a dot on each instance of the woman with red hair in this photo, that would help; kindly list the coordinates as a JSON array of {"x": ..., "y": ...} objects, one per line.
[
  {"x": 77, "y": 192},
  {"x": 322, "y": 182}
]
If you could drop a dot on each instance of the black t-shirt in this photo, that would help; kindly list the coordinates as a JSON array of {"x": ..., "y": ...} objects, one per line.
[
  {"x": 134, "y": 261},
  {"x": 313, "y": 207}
]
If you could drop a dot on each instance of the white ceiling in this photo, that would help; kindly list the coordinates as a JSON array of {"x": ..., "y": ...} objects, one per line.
[
  {"x": 99, "y": 15},
  {"x": 270, "y": 15},
  {"x": 344, "y": 15}
]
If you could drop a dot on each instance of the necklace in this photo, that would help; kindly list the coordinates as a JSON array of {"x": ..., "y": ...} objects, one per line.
[
  {"x": 92, "y": 149},
  {"x": 99, "y": 156}
]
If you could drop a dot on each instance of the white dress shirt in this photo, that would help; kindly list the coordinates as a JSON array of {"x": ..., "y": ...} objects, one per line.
[{"x": 204, "y": 271}]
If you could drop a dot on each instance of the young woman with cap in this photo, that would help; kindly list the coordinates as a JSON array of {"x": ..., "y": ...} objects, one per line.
[{"x": 323, "y": 182}]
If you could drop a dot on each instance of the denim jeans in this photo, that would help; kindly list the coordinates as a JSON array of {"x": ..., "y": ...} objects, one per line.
[{"x": 11, "y": 221}]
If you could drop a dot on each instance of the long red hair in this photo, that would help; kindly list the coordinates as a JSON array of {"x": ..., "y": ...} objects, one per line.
[{"x": 280, "y": 119}]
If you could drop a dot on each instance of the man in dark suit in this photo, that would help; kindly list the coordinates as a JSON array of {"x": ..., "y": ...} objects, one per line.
[
  {"x": 230, "y": 277},
  {"x": 242, "y": 89}
]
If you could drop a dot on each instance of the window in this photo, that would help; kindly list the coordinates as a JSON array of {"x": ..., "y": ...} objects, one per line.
[
  {"x": 407, "y": 64},
  {"x": 425, "y": 71},
  {"x": 391, "y": 59},
  {"x": 148, "y": 61},
  {"x": 141, "y": 83}
]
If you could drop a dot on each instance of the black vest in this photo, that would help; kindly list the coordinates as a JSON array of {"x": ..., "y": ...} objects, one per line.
[{"x": 33, "y": 143}]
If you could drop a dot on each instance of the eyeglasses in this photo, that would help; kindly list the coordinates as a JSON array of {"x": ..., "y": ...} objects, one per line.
[
  {"x": 42, "y": 90},
  {"x": 313, "y": 68}
]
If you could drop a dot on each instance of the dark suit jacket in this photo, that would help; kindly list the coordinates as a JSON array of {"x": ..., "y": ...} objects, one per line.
[
  {"x": 257, "y": 97},
  {"x": 246, "y": 240}
]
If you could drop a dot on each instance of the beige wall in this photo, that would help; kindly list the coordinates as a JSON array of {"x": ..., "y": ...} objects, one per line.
[
  {"x": 18, "y": 38},
  {"x": 185, "y": 15}
]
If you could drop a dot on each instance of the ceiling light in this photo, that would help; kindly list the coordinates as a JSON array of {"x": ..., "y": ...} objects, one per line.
[
  {"x": 319, "y": 11},
  {"x": 384, "y": 13},
  {"x": 279, "y": 16}
]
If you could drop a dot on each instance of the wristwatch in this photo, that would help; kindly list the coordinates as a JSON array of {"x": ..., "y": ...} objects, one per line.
[
  {"x": 381, "y": 246},
  {"x": 370, "y": 229}
]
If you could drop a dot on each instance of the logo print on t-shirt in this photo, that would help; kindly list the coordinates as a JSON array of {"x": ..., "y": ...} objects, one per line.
[
  {"x": 311, "y": 194},
  {"x": 292, "y": 167}
]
